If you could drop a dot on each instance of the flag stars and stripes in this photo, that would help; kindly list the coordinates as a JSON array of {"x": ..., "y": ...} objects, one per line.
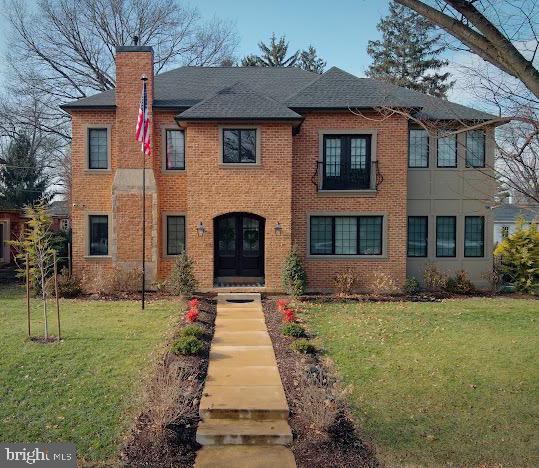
[{"x": 142, "y": 132}]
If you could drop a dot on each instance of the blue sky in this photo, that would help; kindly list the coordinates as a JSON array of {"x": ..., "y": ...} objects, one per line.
[{"x": 339, "y": 30}]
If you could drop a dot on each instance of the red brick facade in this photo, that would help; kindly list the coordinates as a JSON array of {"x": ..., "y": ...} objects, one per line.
[{"x": 280, "y": 189}]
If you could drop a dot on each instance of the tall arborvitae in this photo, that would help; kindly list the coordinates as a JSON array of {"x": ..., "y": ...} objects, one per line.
[{"x": 409, "y": 53}]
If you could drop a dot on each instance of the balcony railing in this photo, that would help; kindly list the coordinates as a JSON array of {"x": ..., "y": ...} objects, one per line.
[{"x": 341, "y": 177}]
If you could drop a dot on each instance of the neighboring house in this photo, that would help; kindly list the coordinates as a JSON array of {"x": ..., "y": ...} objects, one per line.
[
  {"x": 12, "y": 224},
  {"x": 505, "y": 217},
  {"x": 249, "y": 161}
]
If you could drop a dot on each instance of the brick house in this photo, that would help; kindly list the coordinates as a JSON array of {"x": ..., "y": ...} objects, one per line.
[{"x": 249, "y": 161}]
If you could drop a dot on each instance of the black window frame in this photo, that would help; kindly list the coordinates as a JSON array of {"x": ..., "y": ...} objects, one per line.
[
  {"x": 175, "y": 168},
  {"x": 455, "y": 136},
  {"x": 410, "y": 130},
  {"x": 425, "y": 219},
  {"x": 89, "y": 148},
  {"x": 466, "y": 218},
  {"x": 454, "y": 237},
  {"x": 358, "y": 235},
  {"x": 344, "y": 181},
  {"x": 484, "y": 149},
  {"x": 240, "y": 130},
  {"x": 91, "y": 252},
  {"x": 167, "y": 238}
]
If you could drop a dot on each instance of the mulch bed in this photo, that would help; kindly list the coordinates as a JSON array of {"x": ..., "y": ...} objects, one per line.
[
  {"x": 177, "y": 445},
  {"x": 341, "y": 445}
]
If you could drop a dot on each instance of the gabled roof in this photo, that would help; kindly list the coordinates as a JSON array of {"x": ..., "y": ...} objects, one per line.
[
  {"x": 509, "y": 213},
  {"x": 292, "y": 87},
  {"x": 239, "y": 102}
]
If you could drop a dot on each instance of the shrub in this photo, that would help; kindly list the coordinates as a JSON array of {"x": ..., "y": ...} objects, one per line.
[
  {"x": 182, "y": 279},
  {"x": 282, "y": 304},
  {"x": 411, "y": 286},
  {"x": 289, "y": 315},
  {"x": 519, "y": 254},
  {"x": 68, "y": 285},
  {"x": 294, "y": 329},
  {"x": 383, "y": 283},
  {"x": 191, "y": 315},
  {"x": 187, "y": 345},
  {"x": 192, "y": 330},
  {"x": 459, "y": 284},
  {"x": 494, "y": 279},
  {"x": 303, "y": 346},
  {"x": 125, "y": 279},
  {"x": 193, "y": 303},
  {"x": 294, "y": 277},
  {"x": 345, "y": 282},
  {"x": 433, "y": 278}
]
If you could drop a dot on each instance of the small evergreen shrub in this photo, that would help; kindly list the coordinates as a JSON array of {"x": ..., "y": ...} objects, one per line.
[
  {"x": 345, "y": 282},
  {"x": 303, "y": 346},
  {"x": 294, "y": 329},
  {"x": 192, "y": 330},
  {"x": 182, "y": 281},
  {"x": 294, "y": 277},
  {"x": 519, "y": 254},
  {"x": 411, "y": 286},
  {"x": 187, "y": 345}
]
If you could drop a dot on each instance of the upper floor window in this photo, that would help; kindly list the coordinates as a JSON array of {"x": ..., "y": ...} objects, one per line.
[
  {"x": 418, "y": 149},
  {"x": 446, "y": 236},
  {"x": 417, "y": 236},
  {"x": 239, "y": 145},
  {"x": 98, "y": 148},
  {"x": 175, "y": 235},
  {"x": 447, "y": 151},
  {"x": 346, "y": 235},
  {"x": 98, "y": 235},
  {"x": 475, "y": 148},
  {"x": 175, "y": 149},
  {"x": 474, "y": 236},
  {"x": 505, "y": 232},
  {"x": 346, "y": 162}
]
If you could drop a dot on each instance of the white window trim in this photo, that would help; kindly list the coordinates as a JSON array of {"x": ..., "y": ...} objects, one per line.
[
  {"x": 385, "y": 230},
  {"x": 87, "y": 235},
  {"x": 87, "y": 129},
  {"x": 163, "y": 149},
  {"x": 347, "y": 131},
  {"x": 258, "y": 155},
  {"x": 164, "y": 236}
]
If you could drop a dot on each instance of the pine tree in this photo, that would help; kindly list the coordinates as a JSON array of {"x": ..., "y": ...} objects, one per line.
[
  {"x": 272, "y": 55},
  {"x": 22, "y": 179},
  {"x": 408, "y": 53},
  {"x": 309, "y": 60}
]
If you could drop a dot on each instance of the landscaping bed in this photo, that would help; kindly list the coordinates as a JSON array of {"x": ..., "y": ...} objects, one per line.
[
  {"x": 323, "y": 431},
  {"x": 163, "y": 434}
]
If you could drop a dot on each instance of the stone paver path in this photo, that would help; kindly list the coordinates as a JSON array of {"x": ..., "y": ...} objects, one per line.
[{"x": 243, "y": 407}]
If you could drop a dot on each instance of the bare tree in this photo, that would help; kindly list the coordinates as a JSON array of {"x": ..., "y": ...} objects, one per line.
[{"x": 493, "y": 39}]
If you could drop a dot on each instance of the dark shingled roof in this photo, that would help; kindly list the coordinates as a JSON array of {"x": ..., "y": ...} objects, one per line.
[
  {"x": 510, "y": 213},
  {"x": 239, "y": 102},
  {"x": 292, "y": 87}
]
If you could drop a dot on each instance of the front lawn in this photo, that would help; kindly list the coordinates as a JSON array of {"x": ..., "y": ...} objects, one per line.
[
  {"x": 454, "y": 383},
  {"x": 86, "y": 388}
]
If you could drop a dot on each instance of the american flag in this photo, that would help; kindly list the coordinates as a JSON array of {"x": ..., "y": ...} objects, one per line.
[{"x": 142, "y": 133}]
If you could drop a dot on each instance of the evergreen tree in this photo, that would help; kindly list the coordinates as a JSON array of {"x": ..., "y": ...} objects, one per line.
[
  {"x": 22, "y": 179},
  {"x": 309, "y": 60},
  {"x": 408, "y": 53},
  {"x": 272, "y": 55}
]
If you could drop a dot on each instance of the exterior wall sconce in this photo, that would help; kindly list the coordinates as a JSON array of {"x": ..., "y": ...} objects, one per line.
[
  {"x": 278, "y": 228},
  {"x": 201, "y": 229}
]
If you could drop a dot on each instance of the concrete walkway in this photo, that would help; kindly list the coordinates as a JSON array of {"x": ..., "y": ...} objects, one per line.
[{"x": 243, "y": 408}]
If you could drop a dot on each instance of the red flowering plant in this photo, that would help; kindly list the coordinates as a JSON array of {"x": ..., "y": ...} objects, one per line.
[
  {"x": 191, "y": 315},
  {"x": 193, "y": 303},
  {"x": 289, "y": 315},
  {"x": 282, "y": 304}
]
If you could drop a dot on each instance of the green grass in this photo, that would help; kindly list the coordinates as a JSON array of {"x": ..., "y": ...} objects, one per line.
[
  {"x": 440, "y": 383},
  {"x": 86, "y": 388}
]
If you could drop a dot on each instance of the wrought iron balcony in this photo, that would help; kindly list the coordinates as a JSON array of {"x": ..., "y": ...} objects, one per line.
[{"x": 342, "y": 177}]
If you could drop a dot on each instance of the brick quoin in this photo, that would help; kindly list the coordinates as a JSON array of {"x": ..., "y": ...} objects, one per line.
[{"x": 280, "y": 189}]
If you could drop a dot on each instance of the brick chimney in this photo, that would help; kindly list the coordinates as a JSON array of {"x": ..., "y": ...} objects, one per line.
[{"x": 131, "y": 63}]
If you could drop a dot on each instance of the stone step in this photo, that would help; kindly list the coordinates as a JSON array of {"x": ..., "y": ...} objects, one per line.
[
  {"x": 241, "y": 338},
  {"x": 243, "y": 376},
  {"x": 241, "y": 314},
  {"x": 245, "y": 456},
  {"x": 243, "y": 432},
  {"x": 250, "y": 324},
  {"x": 234, "y": 356},
  {"x": 243, "y": 402}
]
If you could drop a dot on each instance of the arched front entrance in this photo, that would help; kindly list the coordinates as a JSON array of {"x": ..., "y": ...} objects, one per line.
[{"x": 239, "y": 247}]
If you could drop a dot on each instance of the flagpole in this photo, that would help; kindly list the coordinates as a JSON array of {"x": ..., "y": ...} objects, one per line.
[{"x": 144, "y": 79}]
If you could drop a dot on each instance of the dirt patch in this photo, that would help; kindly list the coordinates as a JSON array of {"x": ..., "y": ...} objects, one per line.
[
  {"x": 163, "y": 434},
  {"x": 43, "y": 340},
  {"x": 307, "y": 381}
]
